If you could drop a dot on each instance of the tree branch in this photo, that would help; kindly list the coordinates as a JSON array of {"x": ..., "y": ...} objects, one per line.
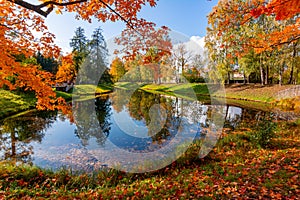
[
  {"x": 38, "y": 8},
  {"x": 121, "y": 17}
]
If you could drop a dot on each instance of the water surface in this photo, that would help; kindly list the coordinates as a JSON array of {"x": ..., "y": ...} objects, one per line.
[{"x": 113, "y": 127}]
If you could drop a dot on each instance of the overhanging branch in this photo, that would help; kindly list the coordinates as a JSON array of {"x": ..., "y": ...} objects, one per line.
[
  {"x": 39, "y": 8},
  {"x": 50, "y": 5}
]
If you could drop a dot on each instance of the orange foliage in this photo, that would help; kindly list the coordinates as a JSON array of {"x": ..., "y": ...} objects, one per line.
[
  {"x": 138, "y": 41},
  {"x": 66, "y": 71},
  {"x": 17, "y": 27},
  {"x": 229, "y": 16},
  {"x": 146, "y": 42},
  {"x": 284, "y": 10},
  {"x": 21, "y": 22}
]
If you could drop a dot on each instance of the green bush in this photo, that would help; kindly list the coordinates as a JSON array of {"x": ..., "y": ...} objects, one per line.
[{"x": 263, "y": 132}]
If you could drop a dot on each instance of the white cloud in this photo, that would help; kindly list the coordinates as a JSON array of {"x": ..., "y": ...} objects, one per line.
[{"x": 195, "y": 45}]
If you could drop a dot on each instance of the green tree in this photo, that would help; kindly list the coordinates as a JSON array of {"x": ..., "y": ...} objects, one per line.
[
  {"x": 94, "y": 66},
  {"x": 47, "y": 63},
  {"x": 79, "y": 47}
]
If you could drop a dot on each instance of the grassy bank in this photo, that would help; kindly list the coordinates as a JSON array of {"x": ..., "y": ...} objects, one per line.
[
  {"x": 255, "y": 92},
  {"x": 15, "y": 102},
  {"x": 182, "y": 89},
  {"x": 251, "y": 92},
  {"x": 12, "y": 102},
  {"x": 240, "y": 166},
  {"x": 92, "y": 89},
  {"x": 254, "y": 96}
]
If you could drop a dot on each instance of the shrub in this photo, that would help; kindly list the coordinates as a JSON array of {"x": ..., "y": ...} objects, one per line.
[{"x": 263, "y": 132}]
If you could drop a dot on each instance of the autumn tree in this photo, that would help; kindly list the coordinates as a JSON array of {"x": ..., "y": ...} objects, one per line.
[
  {"x": 117, "y": 69},
  {"x": 283, "y": 10},
  {"x": 234, "y": 33},
  {"x": 147, "y": 45},
  {"x": 182, "y": 58},
  {"x": 152, "y": 60},
  {"x": 67, "y": 70},
  {"x": 20, "y": 20},
  {"x": 133, "y": 68}
]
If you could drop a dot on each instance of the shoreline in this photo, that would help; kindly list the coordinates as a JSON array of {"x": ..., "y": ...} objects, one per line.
[{"x": 252, "y": 93}]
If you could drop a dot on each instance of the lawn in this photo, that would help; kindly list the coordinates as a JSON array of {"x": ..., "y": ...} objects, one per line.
[
  {"x": 14, "y": 102},
  {"x": 91, "y": 89},
  {"x": 250, "y": 92}
]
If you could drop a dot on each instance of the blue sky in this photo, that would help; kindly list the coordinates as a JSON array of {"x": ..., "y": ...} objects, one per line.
[{"x": 185, "y": 16}]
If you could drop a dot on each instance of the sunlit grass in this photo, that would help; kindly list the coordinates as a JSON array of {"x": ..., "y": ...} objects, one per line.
[
  {"x": 186, "y": 90},
  {"x": 91, "y": 89},
  {"x": 13, "y": 102},
  {"x": 65, "y": 95},
  {"x": 128, "y": 85},
  {"x": 251, "y": 92}
]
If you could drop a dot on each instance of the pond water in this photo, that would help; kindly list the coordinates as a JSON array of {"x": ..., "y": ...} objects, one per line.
[{"x": 116, "y": 130}]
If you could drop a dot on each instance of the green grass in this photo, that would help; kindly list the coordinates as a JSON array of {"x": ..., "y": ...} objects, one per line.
[
  {"x": 85, "y": 92},
  {"x": 128, "y": 85},
  {"x": 14, "y": 102},
  {"x": 91, "y": 89},
  {"x": 65, "y": 95},
  {"x": 189, "y": 91},
  {"x": 258, "y": 93}
]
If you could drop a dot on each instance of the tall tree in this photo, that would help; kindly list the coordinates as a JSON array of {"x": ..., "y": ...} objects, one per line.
[
  {"x": 93, "y": 66},
  {"x": 182, "y": 57},
  {"x": 234, "y": 33},
  {"x": 19, "y": 22},
  {"x": 79, "y": 47}
]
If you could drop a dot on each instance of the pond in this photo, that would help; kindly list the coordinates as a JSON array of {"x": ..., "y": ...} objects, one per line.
[{"x": 131, "y": 131}]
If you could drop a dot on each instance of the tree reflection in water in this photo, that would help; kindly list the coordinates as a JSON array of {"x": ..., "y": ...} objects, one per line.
[
  {"x": 17, "y": 133},
  {"x": 92, "y": 118},
  {"x": 162, "y": 117}
]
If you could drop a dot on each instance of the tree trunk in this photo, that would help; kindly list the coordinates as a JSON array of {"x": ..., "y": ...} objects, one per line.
[
  {"x": 296, "y": 78},
  {"x": 228, "y": 76},
  {"x": 293, "y": 63},
  {"x": 261, "y": 71},
  {"x": 267, "y": 76},
  {"x": 262, "y": 77},
  {"x": 159, "y": 75},
  {"x": 280, "y": 74},
  {"x": 291, "y": 75}
]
